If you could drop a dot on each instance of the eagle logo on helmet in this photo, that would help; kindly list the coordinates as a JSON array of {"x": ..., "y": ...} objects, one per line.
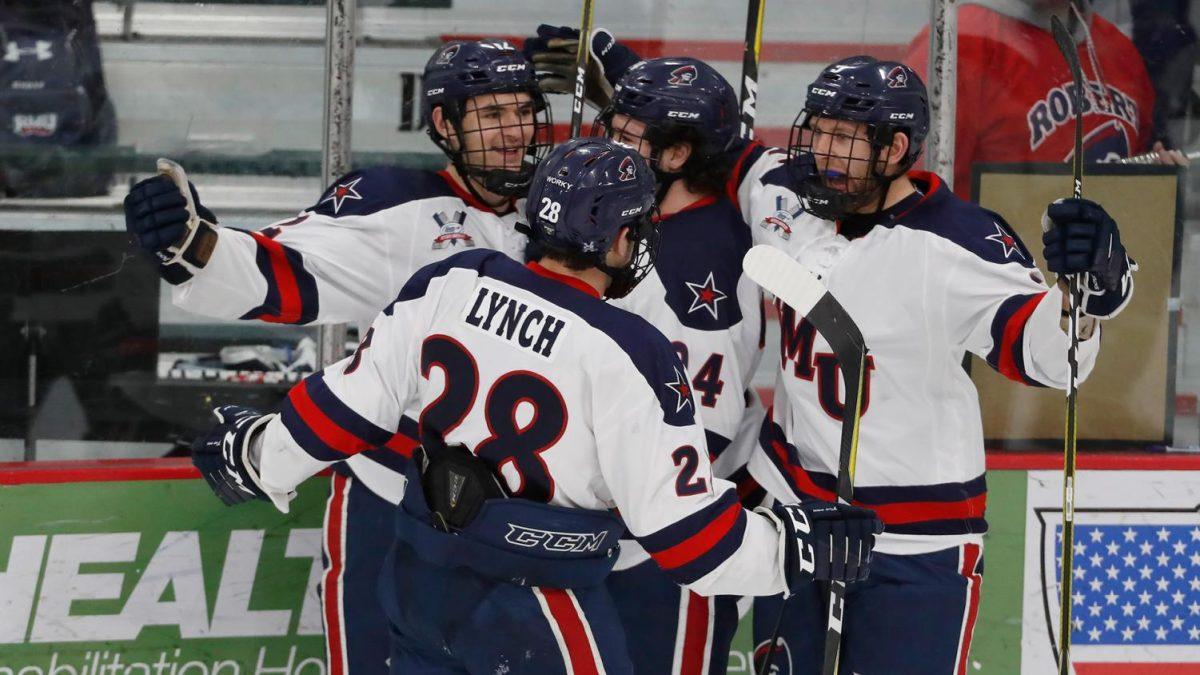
[
  {"x": 684, "y": 75},
  {"x": 627, "y": 170},
  {"x": 448, "y": 55},
  {"x": 897, "y": 78}
]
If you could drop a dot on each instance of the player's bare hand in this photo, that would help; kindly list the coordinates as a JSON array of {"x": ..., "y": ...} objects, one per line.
[{"x": 1169, "y": 157}]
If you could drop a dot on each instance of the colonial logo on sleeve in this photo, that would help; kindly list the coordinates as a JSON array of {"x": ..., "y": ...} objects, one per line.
[
  {"x": 341, "y": 193},
  {"x": 451, "y": 231}
]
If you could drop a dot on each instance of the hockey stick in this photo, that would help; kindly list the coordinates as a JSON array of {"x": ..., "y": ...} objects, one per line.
[
  {"x": 1067, "y": 46},
  {"x": 748, "y": 103},
  {"x": 795, "y": 286},
  {"x": 1152, "y": 157},
  {"x": 582, "y": 52}
]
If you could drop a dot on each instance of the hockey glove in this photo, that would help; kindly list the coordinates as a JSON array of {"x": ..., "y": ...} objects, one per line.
[
  {"x": 823, "y": 541},
  {"x": 168, "y": 225},
  {"x": 1081, "y": 238},
  {"x": 223, "y": 454},
  {"x": 554, "y": 50}
]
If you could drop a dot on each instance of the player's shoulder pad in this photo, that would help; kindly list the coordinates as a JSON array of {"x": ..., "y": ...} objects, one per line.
[
  {"x": 654, "y": 358},
  {"x": 366, "y": 191},
  {"x": 701, "y": 264},
  {"x": 478, "y": 260},
  {"x": 983, "y": 233},
  {"x": 745, "y": 156}
]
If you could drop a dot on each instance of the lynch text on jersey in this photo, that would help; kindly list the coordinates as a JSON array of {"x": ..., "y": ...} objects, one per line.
[{"x": 528, "y": 326}]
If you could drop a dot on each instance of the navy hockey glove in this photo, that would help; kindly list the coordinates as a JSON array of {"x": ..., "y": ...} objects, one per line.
[
  {"x": 553, "y": 52},
  {"x": 157, "y": 216},
  {"x": 1081, "y": 238},
  {"x": 223, "y": 454},
  {"x": 824, "y": 541}
]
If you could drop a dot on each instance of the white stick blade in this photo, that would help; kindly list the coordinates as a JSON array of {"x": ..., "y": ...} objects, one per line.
[{"x": 782, "y": 276}]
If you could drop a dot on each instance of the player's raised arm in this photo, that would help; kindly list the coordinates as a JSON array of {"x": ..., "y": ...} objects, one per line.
[
  {"x": 1020, "y": 333},
  {"x": 305, "y": 269}
]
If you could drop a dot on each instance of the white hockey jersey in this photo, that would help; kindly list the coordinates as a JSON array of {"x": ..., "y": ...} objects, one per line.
[
  {"x": 928, "y": 280},
  {"x": 571, "y": 401},
  {"x": 344, "y": 259}
]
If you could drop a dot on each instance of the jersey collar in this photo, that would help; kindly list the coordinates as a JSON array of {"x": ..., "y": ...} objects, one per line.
[
  {"x": 927, "y": 183},
  {"x": 470, "y": 199},
  {"x": 698, "y": 204},
  {"x": 577, "y": 284}
]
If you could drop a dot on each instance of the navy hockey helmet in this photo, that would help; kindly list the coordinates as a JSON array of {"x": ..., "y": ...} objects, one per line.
[
  {"x": 461, "y": 70},
  {"x": 582, "y": 195},
  {"x": 678, "y": 99},
  {"x": 887, "y": 96}
]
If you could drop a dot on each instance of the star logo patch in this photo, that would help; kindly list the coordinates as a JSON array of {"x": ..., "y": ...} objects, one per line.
[
  {"x": 683, "y": 390},
  {"x": 706, "y": 296},
  {"x": 1007, "y": 241},
  {"x": 341, "y": 193}
]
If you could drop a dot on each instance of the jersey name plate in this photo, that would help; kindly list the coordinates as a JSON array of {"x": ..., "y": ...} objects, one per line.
[{"x": 529, "y": 327}]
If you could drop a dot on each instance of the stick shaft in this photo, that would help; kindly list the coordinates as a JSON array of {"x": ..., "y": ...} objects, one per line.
[{"x": 581, "y": 63}]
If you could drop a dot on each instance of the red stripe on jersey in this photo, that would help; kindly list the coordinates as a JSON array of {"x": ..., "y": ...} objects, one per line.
[
  {"x": 331, "y": 585},
  {"x": 285, "y": 281},
  {"x": 695, "y": 636},
  {"x": 1012, "y": 332},
  {"x": 470, "y": 199},
  {"x": 735, "y": 176},
  {"x": 698, "y": 544},
  {"x": 326, "y": 429},
  {"x": 570, "y": 625},
  {"x": 932, "y": 184},
  {"x": 574, "y": 282},
  {"x": 896, "y": 513},
  {"x": 402, "y": 445},
  {"x": 971, "y": 553}
]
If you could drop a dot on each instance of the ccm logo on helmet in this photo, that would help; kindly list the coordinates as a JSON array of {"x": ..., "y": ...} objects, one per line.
[
  {"x": 900, "y": 116},
  {"x": 508, "y": 67},
  {"x": 683, "y": 114},
  {"x": 631, "y": 212},
  {"x": 822, "y": 92},
  {"x": 434, "y": 92}
]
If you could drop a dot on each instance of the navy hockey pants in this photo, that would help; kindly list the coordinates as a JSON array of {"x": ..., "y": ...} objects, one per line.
[
  {"x": 913, "y": 616},
  {"x": 455, "y": 621},
  {"x": 358, "y": 533},
  {"x": 671, "y": 630}
]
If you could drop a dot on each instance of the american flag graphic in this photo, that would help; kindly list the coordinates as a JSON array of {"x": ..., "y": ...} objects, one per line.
[{"x": 1135, "y": 594}]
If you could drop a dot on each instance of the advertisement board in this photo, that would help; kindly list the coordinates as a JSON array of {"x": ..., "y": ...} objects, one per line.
[{"x": 156, "y": 576}]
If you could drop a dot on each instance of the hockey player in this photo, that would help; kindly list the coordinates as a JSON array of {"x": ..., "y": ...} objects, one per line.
[
  {"x": 346, "y": 257},
  {"x": 927, "y": 277},
  {"x": 543, "y": 412},
  {"x": 681, "y": 115}
]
